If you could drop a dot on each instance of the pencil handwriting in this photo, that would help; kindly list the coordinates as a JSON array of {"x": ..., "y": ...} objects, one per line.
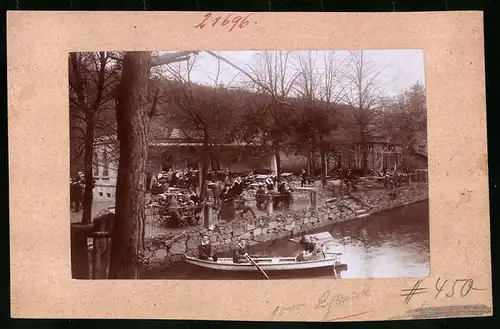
[
  {"x": 450, "y": 288},
  {"x": 328, "y": 299},
  {"x": 280, "y": 310},
  {"x": 325, "y": 302},
  {"x": 444, "y": 288}
]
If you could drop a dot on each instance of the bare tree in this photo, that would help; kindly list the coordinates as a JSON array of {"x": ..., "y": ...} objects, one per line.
[
  {"x": 362, "y": 92},
  {"x": 133, "y": 113},
  {"x": 92, "y": 80},
  {"x": 272, "y": 80},
  {"x": 318, "y": 89},
  {"x": 201, "y": 111}
]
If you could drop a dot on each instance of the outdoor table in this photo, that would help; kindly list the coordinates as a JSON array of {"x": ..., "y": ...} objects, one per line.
[{"x": 186, "y": 213}]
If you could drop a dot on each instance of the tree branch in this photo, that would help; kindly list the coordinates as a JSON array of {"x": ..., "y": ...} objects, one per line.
[
  {"x": 172, "y": 57},
  {"x": 152, "y": 111},
  {"x": 270, "y": 91}
]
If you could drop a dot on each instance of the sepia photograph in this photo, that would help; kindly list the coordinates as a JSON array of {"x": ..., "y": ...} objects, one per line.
[{"x": 248, "y": 165}]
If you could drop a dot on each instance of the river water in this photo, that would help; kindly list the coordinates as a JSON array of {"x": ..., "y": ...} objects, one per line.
[{"x": 390, "y": 244}]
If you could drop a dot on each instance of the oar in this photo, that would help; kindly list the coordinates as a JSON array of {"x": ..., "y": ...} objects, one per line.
[{"x": 255, "y": 264}]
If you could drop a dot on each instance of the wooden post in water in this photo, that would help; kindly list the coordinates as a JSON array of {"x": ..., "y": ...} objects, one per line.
[
  {"x": 269, "y": 204},
  {"x": 101, "y": 254},
  {"x": 207, "y": 214},
  {"x": 79, "y": 250},
  {"x": 313, "y": 199}
]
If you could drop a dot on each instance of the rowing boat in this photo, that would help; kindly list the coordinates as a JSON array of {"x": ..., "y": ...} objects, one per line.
[{"x": 268, "y": 263}]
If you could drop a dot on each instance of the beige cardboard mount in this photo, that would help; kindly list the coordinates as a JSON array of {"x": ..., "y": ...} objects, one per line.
[{"x": 41, "y": 286}]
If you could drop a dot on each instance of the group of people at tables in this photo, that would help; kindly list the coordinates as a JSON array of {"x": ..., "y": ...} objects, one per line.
[
  {"x": 312, "y": 250},
  {"x": 187, "y": 178},
  {"x": 181, "y": 209},
  {"x": 393, "y": 178},
  {"x": 390, "y": 178},
  {"x": 222, "y": 191}
]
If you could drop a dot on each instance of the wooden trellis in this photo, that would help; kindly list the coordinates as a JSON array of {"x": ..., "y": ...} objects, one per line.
[
  {"x": 385, "y": 156},
  {"x": 379, "y": 156}
]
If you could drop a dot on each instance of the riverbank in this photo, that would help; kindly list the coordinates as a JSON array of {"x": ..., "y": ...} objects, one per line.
[{"x": 165, "y": 249}]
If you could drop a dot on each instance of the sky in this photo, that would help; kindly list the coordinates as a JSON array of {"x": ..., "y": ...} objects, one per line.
[{"x": 400, "y": 68}]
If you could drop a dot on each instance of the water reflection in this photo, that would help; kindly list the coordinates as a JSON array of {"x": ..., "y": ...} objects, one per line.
[
  {"x": 386, "y": 245},
  {"x": 391, "y": 244}
]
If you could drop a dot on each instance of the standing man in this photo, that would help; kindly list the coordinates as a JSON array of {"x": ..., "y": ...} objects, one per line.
[
  {"x": 79, "y": 187},
  {"x": 260, "y": 197},
  {"x": 227, "y": 179},
  {"x": 303, "y": 178},
  {"x": 216, "y": 190},
  {"x": 169, "y": 175},
  {"x": 74, "y": 194}
]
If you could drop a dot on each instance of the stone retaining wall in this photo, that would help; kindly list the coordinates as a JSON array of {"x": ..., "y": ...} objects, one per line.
[
  {"x": 390, "y": 199},
  {"x": 164, "y": 249}
]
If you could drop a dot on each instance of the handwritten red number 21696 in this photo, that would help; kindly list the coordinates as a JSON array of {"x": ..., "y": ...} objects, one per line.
[{"x": 239, "y": 21}]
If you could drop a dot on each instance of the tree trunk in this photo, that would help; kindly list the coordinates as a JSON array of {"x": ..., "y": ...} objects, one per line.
[
  {"x": 132, "y": 119},
  {"x": 89, "y": 175},
  {"x": 278, "y": 165},
  {"x": 324, "y": 163},
  {"x": 324, "y": 168},
  {"x": 364, "y": 159},
  {"x": 364, "y": 151},
  {"x": 205, "y": 164},
  {"x": 313, "y": 164},
  {"x": 309, "y": 168}
]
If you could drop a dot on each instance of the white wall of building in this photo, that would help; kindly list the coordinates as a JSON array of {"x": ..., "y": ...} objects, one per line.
[{"x": 105, "y": 173}]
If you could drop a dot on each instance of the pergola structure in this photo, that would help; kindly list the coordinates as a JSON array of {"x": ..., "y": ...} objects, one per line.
[{"x": 380, "y": 155}]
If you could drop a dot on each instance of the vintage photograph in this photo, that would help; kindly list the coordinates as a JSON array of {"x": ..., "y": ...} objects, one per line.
[{"x": 231, "y": 165}]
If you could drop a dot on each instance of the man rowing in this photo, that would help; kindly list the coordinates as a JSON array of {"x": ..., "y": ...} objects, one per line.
[{"x": 241, "y": 252}]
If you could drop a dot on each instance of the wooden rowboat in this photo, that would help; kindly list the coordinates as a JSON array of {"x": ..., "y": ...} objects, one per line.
[{"x": 268, "y": 263}]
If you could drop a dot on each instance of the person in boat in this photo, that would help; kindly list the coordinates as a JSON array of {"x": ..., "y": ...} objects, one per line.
[
  {"x": 312, "y": 250},
  {"x": 205, "y": 251},
  {"x": 240, "y": 253}
]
